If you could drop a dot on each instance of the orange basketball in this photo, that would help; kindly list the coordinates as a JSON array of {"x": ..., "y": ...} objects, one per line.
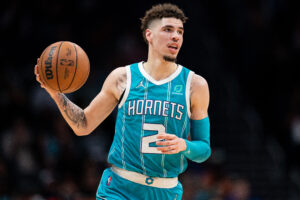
[{"x": 64, "y": 66}]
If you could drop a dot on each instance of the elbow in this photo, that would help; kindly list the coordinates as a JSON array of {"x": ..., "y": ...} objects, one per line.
[
  {"x": 83, "y": 129},
  {"x": 81, "y": 132},
  {"x": 204, "y": 156},
  {"x": 207, "y": 154}
]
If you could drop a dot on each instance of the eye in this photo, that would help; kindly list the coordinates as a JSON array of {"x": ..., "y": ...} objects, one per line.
[
  {"x": 168, "y": 29},
  {"x": 180, "y": 32}
]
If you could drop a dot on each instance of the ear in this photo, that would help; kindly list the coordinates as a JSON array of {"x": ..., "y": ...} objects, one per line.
[{"x": 148, "y": 35}]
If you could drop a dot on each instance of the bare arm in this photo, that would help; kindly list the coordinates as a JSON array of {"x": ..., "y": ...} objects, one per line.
[
  {"x": 199, "y": 94},
  {"x": 83, "y": 122},
  {"x": 104, "y": 103}
]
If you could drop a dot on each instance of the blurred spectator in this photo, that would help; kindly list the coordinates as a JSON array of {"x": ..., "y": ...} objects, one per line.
[{"x": 241, "y": 190}]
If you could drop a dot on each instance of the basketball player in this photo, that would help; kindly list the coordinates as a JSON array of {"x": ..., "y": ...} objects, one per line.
[{"x": 159, "y": 104}]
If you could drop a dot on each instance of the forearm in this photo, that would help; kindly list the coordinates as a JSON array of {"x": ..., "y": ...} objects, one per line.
[
  {"x": 198, "y": 150},
  {"x": 73, "y": 114}
]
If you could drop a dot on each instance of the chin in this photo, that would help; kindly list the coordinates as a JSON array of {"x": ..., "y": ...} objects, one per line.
[{"x": 170, "y": 58}]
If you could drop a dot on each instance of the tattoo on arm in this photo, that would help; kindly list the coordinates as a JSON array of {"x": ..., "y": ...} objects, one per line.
[
  {"x": 121, "y": 83},
  {"x": 73, "y": 112}
]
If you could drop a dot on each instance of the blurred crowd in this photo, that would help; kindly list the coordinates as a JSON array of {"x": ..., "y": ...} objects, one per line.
[{"x": 248, "y": 51}]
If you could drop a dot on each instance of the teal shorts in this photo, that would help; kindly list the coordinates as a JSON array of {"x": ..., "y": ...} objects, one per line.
[{"x": 114, "y": 187}]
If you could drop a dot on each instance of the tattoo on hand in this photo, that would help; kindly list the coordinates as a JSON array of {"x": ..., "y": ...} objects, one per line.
[{"x": 73, "y": 112}]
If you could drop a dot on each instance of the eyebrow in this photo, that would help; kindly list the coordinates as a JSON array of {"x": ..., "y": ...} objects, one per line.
[{"x": 169, "y": 26}]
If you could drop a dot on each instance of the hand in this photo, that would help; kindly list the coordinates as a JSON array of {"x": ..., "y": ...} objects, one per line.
[
  {"x": 43, "y": 85},
  {"x": 171, "y": 144}
]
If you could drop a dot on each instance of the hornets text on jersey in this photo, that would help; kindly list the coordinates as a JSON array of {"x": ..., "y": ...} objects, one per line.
[{"x": 147, "y": 108}]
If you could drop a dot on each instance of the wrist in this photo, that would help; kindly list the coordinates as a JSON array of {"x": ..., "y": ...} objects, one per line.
[
  {"x": 187, "y": 146},
  {"x": 54, "y": 95},
  {"x": 184, "y": 145}
]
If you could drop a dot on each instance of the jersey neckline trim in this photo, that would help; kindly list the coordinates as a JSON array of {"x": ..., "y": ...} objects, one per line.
[{"x": 163, "y": 81}]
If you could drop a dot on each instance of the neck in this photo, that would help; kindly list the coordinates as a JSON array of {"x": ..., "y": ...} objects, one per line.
[{"x": 159, "y": 69}]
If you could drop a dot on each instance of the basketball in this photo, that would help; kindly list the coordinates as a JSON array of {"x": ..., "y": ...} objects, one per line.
[{"x": 64, "y": 66}]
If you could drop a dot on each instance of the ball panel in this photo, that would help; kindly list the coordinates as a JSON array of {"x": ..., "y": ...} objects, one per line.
[
  {"x": 48, "y": 66},
  {"x": 56, "y": 66},
  {"x": 67, "y": 64},
  {"x": 82, "y": 72}
]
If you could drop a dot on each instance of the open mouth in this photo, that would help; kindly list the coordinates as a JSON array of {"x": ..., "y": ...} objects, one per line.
[{"x": 175, "y": 47}]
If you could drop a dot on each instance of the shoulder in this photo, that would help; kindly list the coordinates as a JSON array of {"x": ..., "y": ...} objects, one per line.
[
  {"x": 116, "y": 75},
  {"x": 116, "y": 81},
  {"x": 198, "y": 82},
  {"x": 199, "y": 96},
  {"x": 119, "y": 71}
]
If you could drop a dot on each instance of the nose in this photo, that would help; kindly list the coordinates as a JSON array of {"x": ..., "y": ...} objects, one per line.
[{"x": 175, "y": 36}]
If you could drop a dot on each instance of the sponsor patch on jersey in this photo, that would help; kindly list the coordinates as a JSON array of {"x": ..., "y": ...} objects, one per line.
[{"x": 178, "y": 90}]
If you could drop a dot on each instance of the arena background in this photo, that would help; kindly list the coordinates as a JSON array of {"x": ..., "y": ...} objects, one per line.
[{"x": 248, "y": 51}]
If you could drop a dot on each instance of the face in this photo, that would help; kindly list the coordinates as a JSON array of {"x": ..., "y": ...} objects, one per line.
[{"x": 165, "y": 37}]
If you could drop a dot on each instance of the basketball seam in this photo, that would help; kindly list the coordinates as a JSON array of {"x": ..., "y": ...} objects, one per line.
[
  {"x": 83, "y": 82},
  {"x": 57, "y": 78},
  {"x": 45, "y": 79},
  {"x": 75, "y": 68}
]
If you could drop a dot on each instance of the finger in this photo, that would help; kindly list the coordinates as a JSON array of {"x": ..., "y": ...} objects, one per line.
[
  {"x": 166, "y": 142},
  {"x": 165, "y": 136},
  {"x": 38, "y": 78},
  {"x": 37, "y": 60},
  {"x": 171, "y": 152},
  {"x": 167, "y": 148},
  {"x": 36, "y": 70}
]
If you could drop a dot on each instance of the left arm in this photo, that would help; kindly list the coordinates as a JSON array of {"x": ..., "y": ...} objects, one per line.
[{"x": 198, "y": 149}]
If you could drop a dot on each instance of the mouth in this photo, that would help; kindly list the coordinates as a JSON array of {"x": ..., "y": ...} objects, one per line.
[{"x": 173, "y": 48}]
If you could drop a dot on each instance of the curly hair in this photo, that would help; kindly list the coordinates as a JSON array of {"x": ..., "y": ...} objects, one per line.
[{"x": 158, "y": 12}]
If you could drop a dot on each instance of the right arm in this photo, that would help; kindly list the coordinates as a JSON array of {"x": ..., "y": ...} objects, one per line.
[{"x": 84, "y": 121}]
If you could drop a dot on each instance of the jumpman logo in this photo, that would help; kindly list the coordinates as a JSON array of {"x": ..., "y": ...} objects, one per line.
[{"x": 141, "y": 84}]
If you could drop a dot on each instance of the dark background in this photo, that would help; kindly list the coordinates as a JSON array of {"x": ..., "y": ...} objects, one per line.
[{"x": 248, "y": 51}]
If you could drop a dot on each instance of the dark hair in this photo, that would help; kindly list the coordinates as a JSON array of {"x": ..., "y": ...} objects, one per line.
[{"x": 160, "y": 11}]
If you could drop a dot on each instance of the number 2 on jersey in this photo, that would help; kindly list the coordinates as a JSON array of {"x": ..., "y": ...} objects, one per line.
[{"x": 152, "y": 138}]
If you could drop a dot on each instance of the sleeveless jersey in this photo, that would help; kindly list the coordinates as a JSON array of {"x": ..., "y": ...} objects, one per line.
[{"x": 147, "y": 108}]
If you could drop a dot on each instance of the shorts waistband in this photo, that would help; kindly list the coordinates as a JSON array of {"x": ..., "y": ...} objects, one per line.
[{"x": 145, "y": 180}]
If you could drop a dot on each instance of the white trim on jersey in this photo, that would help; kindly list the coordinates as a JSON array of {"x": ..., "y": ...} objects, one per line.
[
  {"x": 123, "y": 139},
  {"x": 97, "y": 195},
  {"x": 147, "y": 76},
  {"x": 142, "y": 131},
  {"x": 127, "y": 86},
  {"x": 142, "y": 179},
  {"x": 187, "y": 92},
  {"x": 166, "y": 126}
]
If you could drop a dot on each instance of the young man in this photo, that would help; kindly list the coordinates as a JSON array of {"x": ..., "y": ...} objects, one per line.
[{"x": 159, "y": 104}]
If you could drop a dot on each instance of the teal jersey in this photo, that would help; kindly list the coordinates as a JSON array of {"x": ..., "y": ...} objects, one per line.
[{"x": 147, "y": 108}]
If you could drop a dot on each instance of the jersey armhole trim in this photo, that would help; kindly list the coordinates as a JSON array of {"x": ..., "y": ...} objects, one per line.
[
  {"x": 128, "y": 73},
  {"x": 187, "y": 92}
]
